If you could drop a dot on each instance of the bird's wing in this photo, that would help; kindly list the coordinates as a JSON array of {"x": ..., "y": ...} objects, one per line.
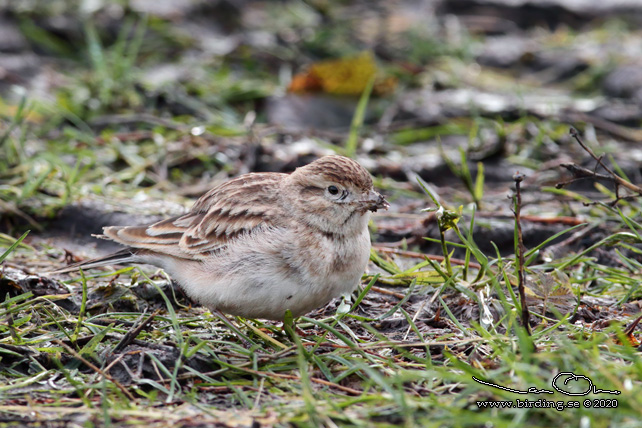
[{"x": 233, "y": 208}]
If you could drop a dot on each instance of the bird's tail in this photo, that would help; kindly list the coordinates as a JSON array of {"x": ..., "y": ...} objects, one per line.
[{"x": 124, "y": 256}]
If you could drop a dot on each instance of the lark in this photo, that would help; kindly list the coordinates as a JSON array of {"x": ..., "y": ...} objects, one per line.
[{"x": 263, "y": 243}]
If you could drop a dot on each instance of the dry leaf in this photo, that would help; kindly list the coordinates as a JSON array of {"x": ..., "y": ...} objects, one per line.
[{"x": 345, "y": 76}]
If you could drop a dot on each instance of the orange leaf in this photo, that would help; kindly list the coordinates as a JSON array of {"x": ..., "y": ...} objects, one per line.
[{"x": 345, "y": 76}]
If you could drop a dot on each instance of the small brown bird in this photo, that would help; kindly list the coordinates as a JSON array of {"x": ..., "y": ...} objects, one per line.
[{"x": 263, "y": 243}]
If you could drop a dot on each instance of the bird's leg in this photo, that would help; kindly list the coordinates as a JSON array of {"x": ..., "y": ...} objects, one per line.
[
  {"x": 288, "y": 324},
  {"x": 290, "y": 327}
]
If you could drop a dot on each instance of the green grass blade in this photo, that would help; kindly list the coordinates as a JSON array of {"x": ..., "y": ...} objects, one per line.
[
  {"x": 358, "y": 118},
  {"x": 13, "y": 246}
]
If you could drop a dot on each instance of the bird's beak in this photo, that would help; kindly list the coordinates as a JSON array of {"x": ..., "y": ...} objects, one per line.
[{"x": 376, "y": 201}]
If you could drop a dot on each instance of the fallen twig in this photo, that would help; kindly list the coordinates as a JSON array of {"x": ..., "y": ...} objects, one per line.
[
  {"x": 95, "y": 368},
  {"x": 580, "y": 173},
  {"x": 521, "y": 250},
  {"x": 133, "y": 333},
  {"x": 387, "y": 292},
  {"x": 565, "y": 220}
]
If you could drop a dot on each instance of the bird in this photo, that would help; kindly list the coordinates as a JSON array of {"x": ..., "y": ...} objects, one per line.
[{"x": 262, "y": 243}]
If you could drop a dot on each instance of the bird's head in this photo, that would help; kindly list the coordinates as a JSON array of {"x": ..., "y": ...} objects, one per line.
[{"x": 336, "y": 192}]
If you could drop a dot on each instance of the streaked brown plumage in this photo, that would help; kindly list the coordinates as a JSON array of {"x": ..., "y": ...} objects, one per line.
[{"x": 263, "y": 242}]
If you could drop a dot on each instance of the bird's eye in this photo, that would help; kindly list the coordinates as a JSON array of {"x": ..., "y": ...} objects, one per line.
[{"x": 333, "y": 190}]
